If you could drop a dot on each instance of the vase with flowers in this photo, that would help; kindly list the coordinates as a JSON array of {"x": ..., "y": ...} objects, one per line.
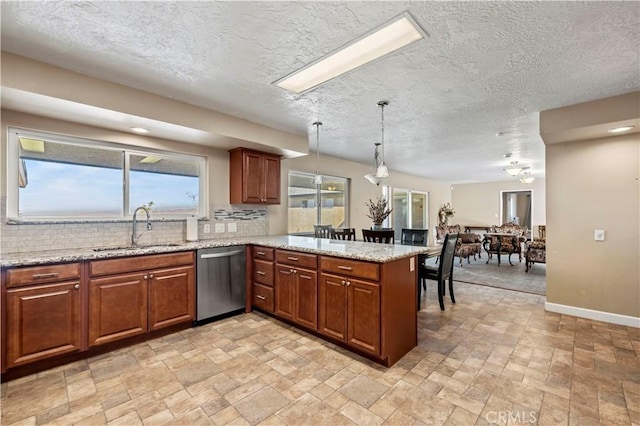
[
  {"x": 445, "y": 213},
  {"x": 378, "y": 211}
]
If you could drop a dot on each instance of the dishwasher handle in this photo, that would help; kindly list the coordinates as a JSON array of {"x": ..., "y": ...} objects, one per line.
[{"x": 225, "y": 254}]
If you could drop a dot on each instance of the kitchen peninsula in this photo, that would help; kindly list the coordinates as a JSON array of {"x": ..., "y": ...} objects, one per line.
[{"x": 359, "y": 295}]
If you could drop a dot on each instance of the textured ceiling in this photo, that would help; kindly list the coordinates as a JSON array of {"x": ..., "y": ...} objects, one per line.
[{"x": 487, "y": 68}]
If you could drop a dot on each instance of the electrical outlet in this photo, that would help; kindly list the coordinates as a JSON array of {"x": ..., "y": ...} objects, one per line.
[
  {"x": 598, "y": 235},
  {"x": 219, "y": 228},
  {"x": 207, "y": 228},
  {"x": 232, "y": 227}
]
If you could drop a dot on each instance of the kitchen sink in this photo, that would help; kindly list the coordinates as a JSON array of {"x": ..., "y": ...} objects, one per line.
[{"x": 138, "y": 247}]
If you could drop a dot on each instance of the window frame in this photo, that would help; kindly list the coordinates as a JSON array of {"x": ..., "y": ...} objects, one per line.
[
  {"x": 347, "y": 200},
  {"x": 13, "y": 160}
]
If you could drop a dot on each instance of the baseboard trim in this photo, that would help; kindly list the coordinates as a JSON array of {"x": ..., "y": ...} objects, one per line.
[{"x": 609, "y": 317}]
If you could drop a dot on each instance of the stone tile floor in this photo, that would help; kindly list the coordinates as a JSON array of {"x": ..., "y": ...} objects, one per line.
[{"x": 495, "y": 357}]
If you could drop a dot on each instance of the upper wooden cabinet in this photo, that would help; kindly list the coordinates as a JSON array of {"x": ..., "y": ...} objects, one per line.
[{"x": 254, "y": 177}]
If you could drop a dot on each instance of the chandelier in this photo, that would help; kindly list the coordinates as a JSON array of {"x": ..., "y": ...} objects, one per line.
[
  {"x": 317, "y": 178},
  {"x": 514, "y": 170}
]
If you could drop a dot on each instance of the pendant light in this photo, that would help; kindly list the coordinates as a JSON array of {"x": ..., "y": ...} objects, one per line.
[
  {"x": 373, "y": 177},
  {"x": 317, "y": 179},
  {"x": 382, "y": 171}
]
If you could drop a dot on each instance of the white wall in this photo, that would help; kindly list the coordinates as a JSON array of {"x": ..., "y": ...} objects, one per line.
[{"x": 479, "y": 203}]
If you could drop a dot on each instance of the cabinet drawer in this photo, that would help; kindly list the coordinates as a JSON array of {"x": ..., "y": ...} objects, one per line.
[
  {"x": 263, "y": 272},
  {"x": 353, "y": 268},
  {"x": 42, "y": 274},
  {"x": 295, "y": 258},
  {"x": 263, "y": 253},
  {"x": 140, "y": 263},
  {"x": 263, "y": 297}
]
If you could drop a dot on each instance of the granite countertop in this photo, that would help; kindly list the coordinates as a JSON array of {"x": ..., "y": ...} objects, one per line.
[{"x": 348, "y": 249}]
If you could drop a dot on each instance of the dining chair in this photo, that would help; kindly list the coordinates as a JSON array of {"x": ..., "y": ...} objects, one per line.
[
  {"x": 414, "y": 237},
  {"x": 384, "y": 236},
  {"x": 442, "y": 273},
  {"x": 344, "y": 234},
  {"x": 323, "y": 231}
]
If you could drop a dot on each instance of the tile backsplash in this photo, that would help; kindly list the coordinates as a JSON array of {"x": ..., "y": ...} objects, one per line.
[{"x": 19, "y": 238}]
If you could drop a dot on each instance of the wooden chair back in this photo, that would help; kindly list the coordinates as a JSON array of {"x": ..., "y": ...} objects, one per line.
[
  {"x": 344, "y": 234},
  {"x": 384, "y": 237},
  {"x": 323, "y": 231}
]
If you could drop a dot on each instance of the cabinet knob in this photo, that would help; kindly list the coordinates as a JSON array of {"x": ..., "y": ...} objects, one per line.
[
  {"x": 344, "y": 282},
  {"x": 77, "y": 286},
  {"x": 348, "y": 283},
  {"x": 146, "y": 277},
  {"x": 151, "y": 276}
]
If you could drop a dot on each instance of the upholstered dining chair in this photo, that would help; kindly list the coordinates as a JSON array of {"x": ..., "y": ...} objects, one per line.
[
  {"x": 323, "y": 231},
  {"x": 344, "y": 234},
  {"x": 414, "y": 237},
  {"x": 441, "y": 274},
  {"x": 384, "y": 236}
]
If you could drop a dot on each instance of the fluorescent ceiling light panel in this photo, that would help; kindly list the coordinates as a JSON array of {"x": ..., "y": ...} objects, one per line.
[
  {"x": 32, "y": 145},
  {"x": 391, "y": 36},
  {"x": 150, "y": 160}
]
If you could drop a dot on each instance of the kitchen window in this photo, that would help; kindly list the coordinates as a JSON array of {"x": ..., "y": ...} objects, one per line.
[
  {"x": 311, "y": 204},
  {"x": 53, "y": 177}
]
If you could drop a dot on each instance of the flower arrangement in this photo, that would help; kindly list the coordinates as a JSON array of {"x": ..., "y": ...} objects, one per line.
[
  {"x": 447, "y": 210},
  {"x": 378, "y": 210}
]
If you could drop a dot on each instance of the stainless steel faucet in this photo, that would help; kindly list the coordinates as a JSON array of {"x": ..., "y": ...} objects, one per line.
[{"x": 134, "y": 236}]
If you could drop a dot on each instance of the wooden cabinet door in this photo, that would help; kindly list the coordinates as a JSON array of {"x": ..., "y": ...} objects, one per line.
[
  {"x": 117, "y": 307},
  {"x": 363, "y": 322},
  {"x": 285, "y": 291},
  {"x": 306, "y": 307},
  {"x": 171, "y": 297},
  {"x": 271, "y": 180},
  {"x": 253, "y": 178},
  {"x": 332, "y": 306},
  {"x": 43, "y": 321}
]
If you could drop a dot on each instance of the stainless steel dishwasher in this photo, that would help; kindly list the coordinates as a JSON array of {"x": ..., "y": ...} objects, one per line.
[{"x": 221, "y": 284}]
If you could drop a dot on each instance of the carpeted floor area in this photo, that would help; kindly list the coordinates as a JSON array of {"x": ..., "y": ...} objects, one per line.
[{"x": 503, "y": 276}]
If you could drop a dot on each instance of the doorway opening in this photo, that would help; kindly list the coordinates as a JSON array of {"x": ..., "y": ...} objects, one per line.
[{"x": 515, "y": 206}]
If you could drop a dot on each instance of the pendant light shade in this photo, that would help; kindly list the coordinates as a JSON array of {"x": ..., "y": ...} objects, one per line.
[
  {"x": 527, "y": 178},
  {"x": 514, "y": 170},
  {"x": 317, "y": 179},
  {"x": 381, "y": 170},
  {"x": 375, "y": 167}
]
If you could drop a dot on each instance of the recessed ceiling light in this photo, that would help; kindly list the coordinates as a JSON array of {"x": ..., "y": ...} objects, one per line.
[
  {"x": 139, "y": 130},
  {"x": 389, "y": 37},
  {"x": 620, "y": 129}
]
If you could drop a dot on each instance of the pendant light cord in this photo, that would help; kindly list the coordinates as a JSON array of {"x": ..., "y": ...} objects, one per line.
[
  {"x": 382, "y": 105},
  {"x": 317, "y": 124},
  {"x": 382, "y": 114}
]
